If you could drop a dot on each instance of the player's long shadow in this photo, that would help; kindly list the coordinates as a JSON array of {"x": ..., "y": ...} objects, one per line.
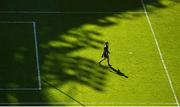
[{"x": 117, "y": 71}]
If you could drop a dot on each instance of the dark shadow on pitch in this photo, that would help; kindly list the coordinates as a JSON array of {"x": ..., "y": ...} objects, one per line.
[
  {"x": 117, "y": 71},
  {"x": 51, "y": 85},
  {"x": 77, "y": 5},
  {"x": 57, "y": 65}
]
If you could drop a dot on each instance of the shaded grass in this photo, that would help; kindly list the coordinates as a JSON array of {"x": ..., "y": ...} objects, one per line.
[
  {"x": 18, "y": 61},
  {"x": 70, "y": 46}
]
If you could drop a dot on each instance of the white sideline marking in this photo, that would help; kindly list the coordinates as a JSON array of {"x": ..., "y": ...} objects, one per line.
[
  {"x": 37, "y": 56},
  {"x": 160, "y": 54},
  {"x": 67, "y": 12}
]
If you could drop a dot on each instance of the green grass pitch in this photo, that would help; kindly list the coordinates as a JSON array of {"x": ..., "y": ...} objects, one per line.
[{"x": 70, "y": 37}]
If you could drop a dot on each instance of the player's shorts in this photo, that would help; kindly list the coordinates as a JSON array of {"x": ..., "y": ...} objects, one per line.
[{"x": 106, "y": 55}]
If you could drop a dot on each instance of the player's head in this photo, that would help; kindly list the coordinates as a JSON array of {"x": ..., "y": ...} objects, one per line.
[{"x": 106, "y": 43}]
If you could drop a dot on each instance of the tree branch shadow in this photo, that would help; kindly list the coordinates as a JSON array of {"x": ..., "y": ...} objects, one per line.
[
  {"x": 51, "y": 85},
  {"x": 55, "y": 62}
]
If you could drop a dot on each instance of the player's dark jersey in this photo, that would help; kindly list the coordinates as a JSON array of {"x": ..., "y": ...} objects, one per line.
[{"x": 105, "y": 51}]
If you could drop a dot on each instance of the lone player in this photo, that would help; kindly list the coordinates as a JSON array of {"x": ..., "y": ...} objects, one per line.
[{"x": 105, "y": 54}]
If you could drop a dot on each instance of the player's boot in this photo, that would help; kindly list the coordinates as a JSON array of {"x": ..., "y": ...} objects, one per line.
[{"x": 109, "y": 65}]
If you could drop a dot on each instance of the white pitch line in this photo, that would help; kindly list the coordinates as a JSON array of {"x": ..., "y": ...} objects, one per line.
[
  {"x": 16, "y": 89},
  {"x": 160, "y": 53},
  {"x": 37, "y": 56},
  {"x": 68, "y": 12}
]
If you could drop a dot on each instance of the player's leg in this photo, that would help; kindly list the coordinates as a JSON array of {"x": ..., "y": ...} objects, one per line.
[
  {"x": 108, "y": 61},
  {"x": 102, "y": 60}
]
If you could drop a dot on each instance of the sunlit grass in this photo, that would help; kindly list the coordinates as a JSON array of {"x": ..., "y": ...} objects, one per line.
[{"x": 70, "y": 48}]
